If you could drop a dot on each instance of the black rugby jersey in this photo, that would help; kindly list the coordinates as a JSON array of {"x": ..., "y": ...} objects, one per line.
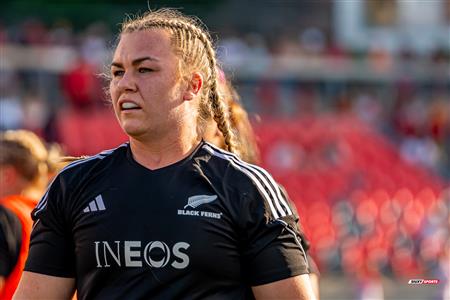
[{"x": 209, "y": 226}]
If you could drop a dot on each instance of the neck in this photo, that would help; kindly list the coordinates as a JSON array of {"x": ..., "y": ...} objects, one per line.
[{"x": 158, "y": 153}]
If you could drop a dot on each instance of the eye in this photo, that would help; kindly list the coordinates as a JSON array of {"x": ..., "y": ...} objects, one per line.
[
  {"x": 116, "y": 73},
  {"x": 145, "y": 70}
]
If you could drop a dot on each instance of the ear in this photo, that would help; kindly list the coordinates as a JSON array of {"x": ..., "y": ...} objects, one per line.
[{"x": 195, "y": 83}]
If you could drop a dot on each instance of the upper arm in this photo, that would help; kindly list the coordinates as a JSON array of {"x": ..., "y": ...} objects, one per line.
[
  {"x": 39, "y": 286},
  {"x": 298, "y": 287},
  {"x": 52, "y": 247},
  {"x": 271, "y": 243}
]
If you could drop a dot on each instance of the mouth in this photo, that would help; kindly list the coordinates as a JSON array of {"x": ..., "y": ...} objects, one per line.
[{"x": 128, "y": 105}]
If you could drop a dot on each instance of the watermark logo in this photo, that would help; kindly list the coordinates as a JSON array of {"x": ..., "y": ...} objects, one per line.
[{"x": 423, "y": 281}]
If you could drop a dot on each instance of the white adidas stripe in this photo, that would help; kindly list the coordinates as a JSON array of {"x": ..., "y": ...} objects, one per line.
[
  {"x": 92, "y": 206},
  {"x": 99, "y": 201},
  {"x": 278, "y": 197},
  {"x": 267, "y": 181},
  {"x": 43, "y": 202},
  {"x": 256, "y": 181},
  {"x": 95, "y": 205}
]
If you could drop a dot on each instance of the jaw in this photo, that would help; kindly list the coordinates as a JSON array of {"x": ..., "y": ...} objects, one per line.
[{"x": 133, "y": 127}]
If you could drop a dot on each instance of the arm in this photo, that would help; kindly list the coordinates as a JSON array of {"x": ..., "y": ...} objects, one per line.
[
  {"x": 273, "y": 260},
  {"x": 314, "y": 278},
  {"x": 49, "y": 271},
  {"x": 298, "y": 287},
  {"x": 39, "y": 286}
]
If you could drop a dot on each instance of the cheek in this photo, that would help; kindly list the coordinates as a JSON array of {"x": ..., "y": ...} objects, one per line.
[
  {"x": 111, "y": 90},
  {"x": 113, "y": 96},
  {"x": 112, "y": 93}
]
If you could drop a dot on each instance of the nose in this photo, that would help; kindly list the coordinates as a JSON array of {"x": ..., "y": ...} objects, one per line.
[{"x": 126, "y": 83}]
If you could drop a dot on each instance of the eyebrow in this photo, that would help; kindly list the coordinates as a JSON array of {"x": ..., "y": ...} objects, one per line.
[{"x": 135, "y": 62}]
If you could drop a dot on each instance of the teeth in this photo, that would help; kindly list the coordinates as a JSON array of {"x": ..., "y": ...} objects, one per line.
[{"x": 129, "y": 105}]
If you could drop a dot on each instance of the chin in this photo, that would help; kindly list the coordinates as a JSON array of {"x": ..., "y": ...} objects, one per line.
[
  {"x": 132, "y": 130},
  {"x": 135, "y": 133}
]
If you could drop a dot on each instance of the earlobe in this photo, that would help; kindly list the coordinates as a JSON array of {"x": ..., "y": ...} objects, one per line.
[
  {"x": 188, "y": 96},
  {"x": 194, "y": 86}
]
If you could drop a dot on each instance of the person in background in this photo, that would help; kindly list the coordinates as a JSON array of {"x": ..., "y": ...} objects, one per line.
[
  {"x": 56, "y": 160},
  {"x": 23, "y": 179},
  {"x": 167, "y": 215},
  {"x": 249, "y": 151}
]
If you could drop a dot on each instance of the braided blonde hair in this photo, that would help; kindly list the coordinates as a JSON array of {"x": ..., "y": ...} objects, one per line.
[{"x": 192, "y": 43}]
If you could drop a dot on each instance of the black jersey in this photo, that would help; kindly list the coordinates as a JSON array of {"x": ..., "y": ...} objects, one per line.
[
  {"x": 208, "y": 226},
  {"x": 10, "y": 240}
]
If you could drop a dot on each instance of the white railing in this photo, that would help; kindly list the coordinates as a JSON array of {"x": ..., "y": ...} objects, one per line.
[{"x": 59, "y": 58}]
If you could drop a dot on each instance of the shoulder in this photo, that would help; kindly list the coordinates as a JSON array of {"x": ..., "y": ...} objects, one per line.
[
  {"x": 251, "y": 182},
  {"x": 83, "y": 167},
  {"x": 228, "y": 165},
  {"x": 77, "y": 173},
  {"x": 236, "y": 169}
]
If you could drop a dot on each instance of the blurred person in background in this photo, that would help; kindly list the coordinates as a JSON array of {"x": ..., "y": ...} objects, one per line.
[
  {"x": 56, "y": 160},
  {"x": 23, "y": 178},
  {"x": 243, "y": 245},
  {"x": 249, "y": 152}
]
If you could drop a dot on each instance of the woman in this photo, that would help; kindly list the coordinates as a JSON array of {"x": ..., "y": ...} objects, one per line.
[
  {"x": 166, "y": 215},
  {"x": 23, "y": 174}
]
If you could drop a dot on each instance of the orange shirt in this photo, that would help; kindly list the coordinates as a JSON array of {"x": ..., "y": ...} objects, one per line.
[{"x": 21, "y": 206}]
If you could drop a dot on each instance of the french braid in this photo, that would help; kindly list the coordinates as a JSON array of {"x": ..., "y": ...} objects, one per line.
[{"x": 193, "y": 43}]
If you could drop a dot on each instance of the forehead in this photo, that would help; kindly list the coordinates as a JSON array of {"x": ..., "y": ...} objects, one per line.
[{"x": 150, "y": 42}]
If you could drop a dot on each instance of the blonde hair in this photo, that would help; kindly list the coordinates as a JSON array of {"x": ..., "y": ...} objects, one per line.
[
  {"x": 27, "y": 153},
  {"x": 239, "y": 121},
  {"x": 192, "y": 43}
]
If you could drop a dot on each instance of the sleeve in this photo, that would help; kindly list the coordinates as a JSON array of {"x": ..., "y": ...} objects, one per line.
[
  {"x": 10, "y": 241},
  {"x": 272, "y": 248},
  {"x": 304, "y": 240},
  {"x": 51, "y": 243}
]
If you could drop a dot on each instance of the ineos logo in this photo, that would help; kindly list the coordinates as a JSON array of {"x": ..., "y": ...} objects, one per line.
[
  {"x": 159, "y": 245},
  {"x": 155, "y": 254}
]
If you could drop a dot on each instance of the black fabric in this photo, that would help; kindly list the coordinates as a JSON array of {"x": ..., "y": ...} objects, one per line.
[
  {"x": 209, "y": 226},
  {"x": 297, "y": 224},
  {"x": 10, "y": 240}
]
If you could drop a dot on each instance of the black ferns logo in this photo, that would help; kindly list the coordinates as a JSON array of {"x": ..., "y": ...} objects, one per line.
[{"x": 196, "y": 201}]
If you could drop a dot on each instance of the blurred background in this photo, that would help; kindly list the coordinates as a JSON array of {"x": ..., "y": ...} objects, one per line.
[{"x": 350, "y": 101}]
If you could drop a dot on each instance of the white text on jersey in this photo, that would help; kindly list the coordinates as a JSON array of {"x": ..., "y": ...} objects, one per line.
[{"x": 133, "y": 254}]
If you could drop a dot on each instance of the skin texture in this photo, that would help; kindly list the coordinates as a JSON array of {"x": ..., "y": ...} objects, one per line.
[
  {"x": 145, "y": 71},
  {"x": 162, "y": 131},
  {"x": 315, "y": 284},
  {"x": 298, "y": 287},
  {"x": 39, "y": 286}
]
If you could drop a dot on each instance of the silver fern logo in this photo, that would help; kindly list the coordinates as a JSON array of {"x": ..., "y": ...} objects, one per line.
[{"x": 196, "y": 201}]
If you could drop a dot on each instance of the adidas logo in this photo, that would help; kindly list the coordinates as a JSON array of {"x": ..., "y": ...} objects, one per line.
[{"x": 95, "y": 205}]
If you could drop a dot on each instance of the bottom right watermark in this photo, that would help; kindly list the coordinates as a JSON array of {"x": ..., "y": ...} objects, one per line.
[{"x": 423, "y": 281}]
